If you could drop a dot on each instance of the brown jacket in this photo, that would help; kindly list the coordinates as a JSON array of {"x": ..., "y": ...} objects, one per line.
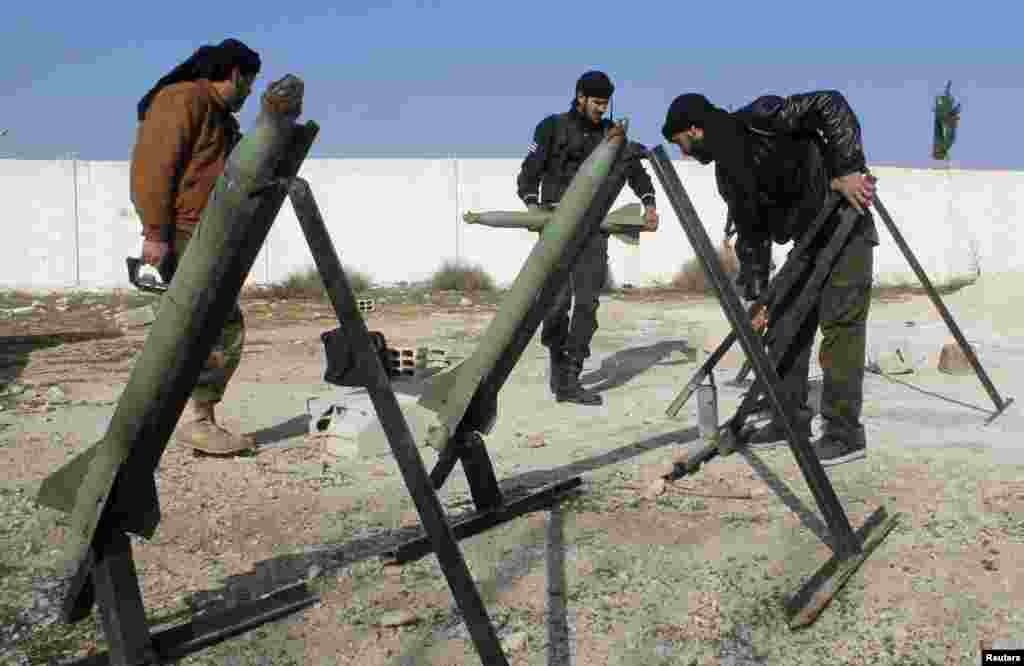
[{"x": 179, "y": 153}]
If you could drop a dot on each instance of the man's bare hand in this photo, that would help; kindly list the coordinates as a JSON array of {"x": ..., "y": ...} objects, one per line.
[
  {"x": 758, "y": 317},
  {"x": 857, "y": 188},
  {"x": 650, "y": 218},
  {"x": 153, "y": 252},
  {"x": 616, "y": 130}
]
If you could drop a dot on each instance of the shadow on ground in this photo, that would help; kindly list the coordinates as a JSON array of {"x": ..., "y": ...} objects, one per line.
[
  {"x": 296, "y": 426},
  {"x": 285, "y": 570},
  {"x": 623, "y": 366},
  {"x": 15, "y": 350}
]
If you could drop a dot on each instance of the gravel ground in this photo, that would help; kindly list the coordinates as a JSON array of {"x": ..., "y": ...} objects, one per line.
[{"x": 626, "y": 571}]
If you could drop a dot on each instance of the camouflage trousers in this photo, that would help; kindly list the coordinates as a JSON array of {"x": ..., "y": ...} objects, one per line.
[
  {"x": 842, "y": 314},
  {"x": 227, "y": 351}
]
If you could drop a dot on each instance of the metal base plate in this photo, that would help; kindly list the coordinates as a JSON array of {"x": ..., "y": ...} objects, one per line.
[
  {"x": 481, "y": 522},
  {"x": 207, "y": 630},
  {"x": 817, "y": 592}
]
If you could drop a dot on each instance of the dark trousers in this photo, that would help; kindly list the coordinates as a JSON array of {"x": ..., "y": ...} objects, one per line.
[
  {"x": 581, "y": 293},
  {"x": 842, "y": 314}
]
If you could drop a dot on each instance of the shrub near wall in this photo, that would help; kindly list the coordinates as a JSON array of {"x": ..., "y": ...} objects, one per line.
[
  {"x": 692, "y": 279},
  {"x": 460, "y": 276}
]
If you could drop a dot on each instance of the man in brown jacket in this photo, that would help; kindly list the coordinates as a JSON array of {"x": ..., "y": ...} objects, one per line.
[{"x": 186, "y": 131}]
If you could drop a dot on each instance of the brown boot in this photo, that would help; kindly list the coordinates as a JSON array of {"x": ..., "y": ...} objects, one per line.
[{"x": 206, "y": 435}]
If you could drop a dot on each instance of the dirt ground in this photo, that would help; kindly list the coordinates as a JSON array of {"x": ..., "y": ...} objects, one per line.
[{"x": 692, "y": 572}]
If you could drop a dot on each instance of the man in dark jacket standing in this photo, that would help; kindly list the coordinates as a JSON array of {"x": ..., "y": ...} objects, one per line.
[
  {"x": 775, "y": 161},
  {"x": 561, "y": 143}
]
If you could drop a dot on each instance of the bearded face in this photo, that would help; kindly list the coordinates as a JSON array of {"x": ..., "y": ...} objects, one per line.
[{"x": 698, "y": 150}]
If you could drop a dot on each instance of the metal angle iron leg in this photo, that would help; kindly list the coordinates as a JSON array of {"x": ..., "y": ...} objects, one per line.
[
  {"x": 845, "y": 541},
  {"x": 119, "y": 598},
  {"x": 972, "y": 358},
  {"x": 479, "y": 470},
  {"x": 396, "y": 429}
]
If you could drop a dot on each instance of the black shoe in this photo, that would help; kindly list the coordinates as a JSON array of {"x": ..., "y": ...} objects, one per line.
[
  {"x": 569, "y": 388},
  {"x": 580, "y": 396},
  {"x": 832, "y": 449}
]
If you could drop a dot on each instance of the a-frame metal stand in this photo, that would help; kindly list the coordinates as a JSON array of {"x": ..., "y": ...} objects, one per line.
[
  {"x": 849, "y": 549},
  {"x": 467, "y": 443}
]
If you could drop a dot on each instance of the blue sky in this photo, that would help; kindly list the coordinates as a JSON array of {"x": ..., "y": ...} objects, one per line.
[{"x": 435, "y": 78}]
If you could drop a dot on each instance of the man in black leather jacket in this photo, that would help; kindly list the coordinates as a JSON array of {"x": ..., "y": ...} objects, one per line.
[
  {"x": 561, "y": 143},
  {"x": 775, "y": 161}
]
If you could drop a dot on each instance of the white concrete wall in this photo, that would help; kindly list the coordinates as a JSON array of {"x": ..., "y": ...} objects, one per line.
[{"x": 399, "y": 219}]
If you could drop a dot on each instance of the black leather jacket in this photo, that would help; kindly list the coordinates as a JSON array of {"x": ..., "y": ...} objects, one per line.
[
  {"x": 561, "y": 143},
  {"x": 796, "y": 145}
]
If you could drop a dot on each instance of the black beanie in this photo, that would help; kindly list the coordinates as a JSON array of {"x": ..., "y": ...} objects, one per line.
[
  {"x": 689, "y": 110},
  {"x": 595, "y": 84},
  {"x": 207, "y": 62}
]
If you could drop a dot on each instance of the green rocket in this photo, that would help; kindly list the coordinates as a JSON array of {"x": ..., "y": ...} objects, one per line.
[{"x": 624, "y": 223}]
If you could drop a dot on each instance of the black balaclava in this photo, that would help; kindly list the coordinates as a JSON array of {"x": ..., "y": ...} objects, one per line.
[
  {"x": 725, "y": 144},
  {"x": 208, "y": 62}
]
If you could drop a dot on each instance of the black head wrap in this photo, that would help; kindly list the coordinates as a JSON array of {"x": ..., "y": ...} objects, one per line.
[
  {"x": 725, "y": 143},
  {"x": 208, "y": 62},
  {"x": 595, "y": 84},
  {"x": 686, "y": 111}
]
